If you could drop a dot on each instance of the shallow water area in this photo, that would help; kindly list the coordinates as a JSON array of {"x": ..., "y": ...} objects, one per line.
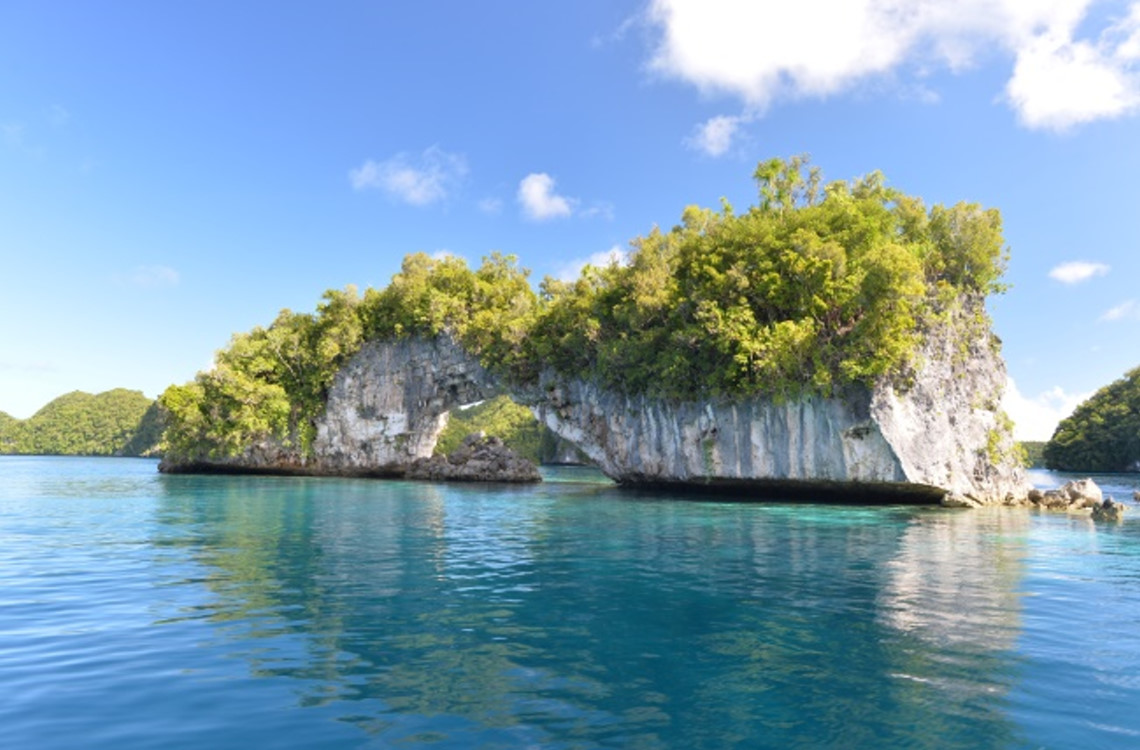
[{"x": 143, "y": 610}]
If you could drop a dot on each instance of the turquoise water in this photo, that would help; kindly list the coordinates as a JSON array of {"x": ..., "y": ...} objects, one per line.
[{"x": 140, "y": 610}]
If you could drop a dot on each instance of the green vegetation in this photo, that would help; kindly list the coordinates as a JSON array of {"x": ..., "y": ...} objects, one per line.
[
  {"x": 114, "y": 423},
  {"x": 1001, "y": 448},
  {"x": 1034, "y": 453},
  {"x": 512, "y": 423},
  {"x": 9, "y": 426},
  {"x": 501, "y": 417},
  {"x": 1103, "y": 433},
  {"x": 816, "y": 288}
]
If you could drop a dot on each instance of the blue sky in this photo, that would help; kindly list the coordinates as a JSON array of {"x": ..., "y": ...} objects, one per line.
[{"x": 173, "y": 172}]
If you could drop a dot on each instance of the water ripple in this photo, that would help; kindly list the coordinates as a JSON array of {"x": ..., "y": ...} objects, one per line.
[{"x": 140, "y": 611}]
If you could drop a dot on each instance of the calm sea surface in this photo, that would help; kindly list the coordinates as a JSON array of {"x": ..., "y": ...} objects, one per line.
[{"x": 139, "y": 610}]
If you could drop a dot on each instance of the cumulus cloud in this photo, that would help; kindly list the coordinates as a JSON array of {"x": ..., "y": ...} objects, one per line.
[
  {"x": 420, "y": 181},
  {"x": 1068, "y": 68},
  {"x": 714, "y": 136},
  {"x": 1077, "y": 271},
  {"x": 539, "y": 201},
  {"x": 572, "y": 269},
  {"x": 1036, "y": 418},
  {"x": 150, "y": 277},
  {"x": 1126, "y": 310}
]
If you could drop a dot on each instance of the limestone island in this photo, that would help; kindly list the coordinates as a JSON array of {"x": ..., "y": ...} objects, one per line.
[{"x": 830, "y": 342}]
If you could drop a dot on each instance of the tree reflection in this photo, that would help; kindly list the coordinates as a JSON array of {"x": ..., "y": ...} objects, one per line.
[{"x": 580, "y": 617}]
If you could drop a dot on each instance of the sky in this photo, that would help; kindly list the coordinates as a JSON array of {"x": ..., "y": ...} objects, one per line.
[{"x": 171, "y": 173}]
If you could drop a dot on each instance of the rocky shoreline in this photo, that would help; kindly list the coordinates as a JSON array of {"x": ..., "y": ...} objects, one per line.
[
  {"x": 478, "y": 459},
  {"x": 1077, "y": 496}
]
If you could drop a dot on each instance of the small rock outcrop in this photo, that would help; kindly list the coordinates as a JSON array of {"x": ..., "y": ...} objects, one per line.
[
  {"x": 1077, "y": 496},
  {"x": 478, "y": 459},
  {"x": 1109, "y": 510}
]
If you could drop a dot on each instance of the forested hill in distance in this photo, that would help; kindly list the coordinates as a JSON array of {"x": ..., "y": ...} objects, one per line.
[
  {"x": 1103, "y": 433},
  {"x": 118, "y": 422}
]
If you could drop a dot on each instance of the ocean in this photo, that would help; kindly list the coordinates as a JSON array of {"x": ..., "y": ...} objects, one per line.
[{"x": 140, "y": 610}]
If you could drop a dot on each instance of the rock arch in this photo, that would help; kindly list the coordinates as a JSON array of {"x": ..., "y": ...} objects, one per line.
[{"x": 388, "y": 405}]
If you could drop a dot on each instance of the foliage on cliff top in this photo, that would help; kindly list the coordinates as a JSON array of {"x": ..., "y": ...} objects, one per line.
[
  {"x": 1103, "y": 433},
  {"x": 273, "y": 382},
  {"x": 112, "y": 423},
  {"x": 814, "y": 288}
]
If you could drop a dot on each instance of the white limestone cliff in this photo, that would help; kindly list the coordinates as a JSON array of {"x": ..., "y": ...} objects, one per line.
[{"x": 939, "y": 438}]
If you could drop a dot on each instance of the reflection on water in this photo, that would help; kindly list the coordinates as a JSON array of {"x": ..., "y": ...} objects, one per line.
[
  {"x": 955, "y": 578},
  {"x": 285, "y": 612},
  {"x": 496, "y": 615}
]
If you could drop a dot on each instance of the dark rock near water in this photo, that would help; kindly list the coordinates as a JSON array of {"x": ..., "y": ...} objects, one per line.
[
  {"x": 478, "y": 459},
  {"x": 1075, "y": 496},
  {"x": 1109, "y": 510}
]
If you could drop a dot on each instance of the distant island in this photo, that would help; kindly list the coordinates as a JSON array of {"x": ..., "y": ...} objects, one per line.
[
  {"x": 1103, "y": 433},
  {"x": 118, "y": 422},
  {"x": 832, "y": 336}
]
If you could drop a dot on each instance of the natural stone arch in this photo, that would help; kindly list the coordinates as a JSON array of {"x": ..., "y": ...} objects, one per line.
[{"x": 388, "y": 405}]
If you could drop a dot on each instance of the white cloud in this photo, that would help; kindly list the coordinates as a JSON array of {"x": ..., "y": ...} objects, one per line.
[
  {"x": 418, "y": 181},
  {"x": 1058, "y": 83},
  {"x": 1037, "y": 418},
  {"x": 1068, "y": 68},
  {"x": 714, "y": 136},
  {"x": 599, "y": 210},
  {"x": 572, "y": 269},
  {"x": 491, "y": 205},
  {"x": 1125, "y": 310},
  {"x": 150, "y": 277},
  {"x": 1077, "y": 271},
  {"x": 539, "y": 201}
]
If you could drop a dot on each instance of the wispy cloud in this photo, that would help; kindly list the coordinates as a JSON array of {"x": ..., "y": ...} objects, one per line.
[
  {"x": 714, "y": 137},
  {"x": 12, "y": 133},
  {"x": 1077, "y": 271},
  {"x": 1126, "y": 310},
  {"x": 1036, "y": 418},
  {"x": 422, "y": 180},
  {"x": 572, "y": 269},
  {"x": 150, "y": 277},
  {"x": 599, "y": 210},
  {"x": 539, "y": 201},
  {"x": 58, "y": 116},
  {"x": 1067, "y": 67},
  {"x": 491, "y": 205},
  {"x": 38, "y": 366}
]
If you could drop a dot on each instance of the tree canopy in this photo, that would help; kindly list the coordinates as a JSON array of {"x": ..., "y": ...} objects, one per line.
[
  {"x": 1103, "y": 433},
  {"x": 815, "y": 288},
  {"x": 119, "y": 422}
]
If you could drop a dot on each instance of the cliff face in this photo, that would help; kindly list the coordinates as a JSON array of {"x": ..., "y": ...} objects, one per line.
[
  {"x": 389, "y": 404},
  {"x": 385, "y": 409},
  {"x": 939, "y": 437}
]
